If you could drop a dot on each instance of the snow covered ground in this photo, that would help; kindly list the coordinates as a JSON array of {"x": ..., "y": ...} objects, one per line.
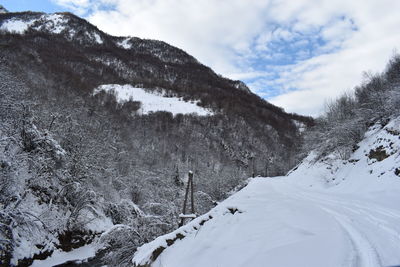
[
  {"x": 125, "y": 43},
  {"x": 53, "y": 23},
  {"x": 325, "y": 213},
  {"x": 60, "y": 257},
  {"x": 16, "y": 26},
  {"x": 153, "y": 102}
]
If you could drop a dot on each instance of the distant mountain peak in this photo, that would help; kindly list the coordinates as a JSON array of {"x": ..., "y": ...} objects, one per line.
[
  {"x": 64, "y": 24},
  {"x": 3, "y": 9}
]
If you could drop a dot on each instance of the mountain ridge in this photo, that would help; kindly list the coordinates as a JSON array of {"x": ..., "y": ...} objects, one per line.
[
  {"x": 119, "y": 166},
  {"x": 141, "y": 46}
]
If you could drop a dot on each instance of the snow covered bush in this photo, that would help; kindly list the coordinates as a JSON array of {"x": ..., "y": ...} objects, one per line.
[
  {"x": 79, "y": 201},
  {"x": 117, "y": 244},
  {"x": 123, "y": 212},
  {"x": 347, "y": 118}
]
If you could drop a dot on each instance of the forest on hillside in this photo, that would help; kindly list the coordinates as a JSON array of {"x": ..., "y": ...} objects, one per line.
[{"x": 74, "y": 163}]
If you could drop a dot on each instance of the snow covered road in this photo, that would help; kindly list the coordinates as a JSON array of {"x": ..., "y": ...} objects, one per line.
[
  {"x": 279, "y": 224},
  {"x": 327, "y": 212},
  {"x": 373, "y": 230}
]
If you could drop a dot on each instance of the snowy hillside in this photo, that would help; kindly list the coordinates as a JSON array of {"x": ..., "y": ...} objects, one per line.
[
  {"x": 325, "y": 213},
  {"x": 117, "y": 154},
  {"x": 153, "y": 101},
  {"x": 56, "y": 23}
]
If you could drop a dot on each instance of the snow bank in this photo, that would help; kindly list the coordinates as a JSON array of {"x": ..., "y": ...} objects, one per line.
[
  {"x": 150, "y": 251},
  {"x": 323, "y": 213},
  {"x": 153, "y": 101},
  {"x": 60, "y": 257}
]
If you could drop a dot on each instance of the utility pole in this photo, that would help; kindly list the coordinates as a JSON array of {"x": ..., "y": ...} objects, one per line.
[{"x": 183, "y": 216}]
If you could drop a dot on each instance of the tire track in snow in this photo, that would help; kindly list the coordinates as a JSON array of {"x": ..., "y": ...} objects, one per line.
[
  {"x": 380, "y": 225},
  {"x": 366, "y": 212},
  {"x": 366, "y": 254},
  {"x": 371, "y": 206},
  {"x": 381, "y": 210}
]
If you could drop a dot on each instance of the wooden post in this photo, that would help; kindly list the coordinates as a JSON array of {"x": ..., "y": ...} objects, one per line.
[
  {"x": 191, "y": 192},
  {"x": 253, "y": 166},
  {"x": 189, "y": 186},
  {"x": 186, "y": 197}
]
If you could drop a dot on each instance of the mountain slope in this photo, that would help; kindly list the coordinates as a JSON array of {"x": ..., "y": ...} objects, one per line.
[
  {"x": 65, "y": 53},
  {"x": 84, "y": 159},
  {"x": 129, "y": 60},
  {"x": 329, "y": 212}
]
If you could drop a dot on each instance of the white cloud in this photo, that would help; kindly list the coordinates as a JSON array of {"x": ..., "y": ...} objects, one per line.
[
  {"x": 215, "y": 32},
  {"x": 238, "y": 37},
  {"x": 328, "y": 75},
  {"x": 78, "y": 6}
]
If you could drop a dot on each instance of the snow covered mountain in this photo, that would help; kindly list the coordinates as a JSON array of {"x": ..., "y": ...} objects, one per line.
[
  {"x": 98, "y": 133},
  {"x": 58, "y": 24},
  {"x": 3, "y": 10},
  {"x": 73, "y": 54},
  {"x": 325, "y": 212}
]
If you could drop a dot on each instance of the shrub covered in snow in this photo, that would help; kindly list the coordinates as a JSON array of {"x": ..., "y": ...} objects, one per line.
[{"x": 348, "y": 117}]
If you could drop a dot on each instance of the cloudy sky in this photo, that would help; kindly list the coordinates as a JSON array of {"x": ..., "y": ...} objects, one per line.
[{"x": 295, "y": 54}]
